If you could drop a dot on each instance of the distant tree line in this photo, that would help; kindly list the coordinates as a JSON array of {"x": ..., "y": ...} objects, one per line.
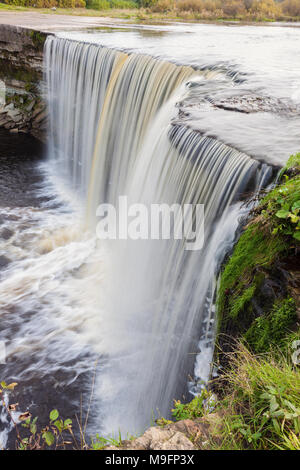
[
  {"x": 47, "y": 3},
  {"x": 239, "y": 9},
  {"x": 202, "y": 9}
]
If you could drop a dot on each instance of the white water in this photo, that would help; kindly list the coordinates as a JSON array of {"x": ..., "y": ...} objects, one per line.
[
  {"x": 112, "y": 134},
  {"x": 257, "y": 67}
]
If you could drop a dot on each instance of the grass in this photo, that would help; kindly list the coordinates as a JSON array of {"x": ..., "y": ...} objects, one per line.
[
  {"x": 258, "y": 407},
  {"x": 261, "y": 407}
]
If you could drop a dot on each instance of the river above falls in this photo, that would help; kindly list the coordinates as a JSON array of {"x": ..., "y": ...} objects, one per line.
[{"x": 251, "y": 98}]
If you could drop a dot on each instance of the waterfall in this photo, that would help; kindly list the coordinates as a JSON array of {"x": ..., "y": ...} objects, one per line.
[{"x": 115, "y": 131}]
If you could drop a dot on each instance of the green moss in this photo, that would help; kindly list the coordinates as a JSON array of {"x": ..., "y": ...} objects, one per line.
[
  {"x": 239, "y": 281},
  {"x": 239, "y": 303},
  {"x": 38, "y": 39},
  {"x": 20, "y": 101},
  {"x": 272, "y": 329},
  {"x": 272, "y": 235},
  {"x": 287, "y": 192},
  {"x": 293, "y": 162},
  {"x": 29, "y": 77}
]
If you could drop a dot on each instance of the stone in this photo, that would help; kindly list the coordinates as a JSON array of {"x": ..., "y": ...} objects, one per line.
[
  {"x": 40, "y": 117},
  {"x": 8, "y": 107},
  {"x": 3, "y": 261},
  {"x": 6, "y": 234},
  {"x": 9, "y": 125},
  {"x": 182, "y": 435},
  {"x": 22, "y": 51},
  {"x": 15, "y": 130},
  {"x": 30, "y": 106},
  {"x": 39, "y": 109},
  {"x": 15, "y": 115},
  {"x": 3, "y": 121},
  {"x": 177, "y": 442}
]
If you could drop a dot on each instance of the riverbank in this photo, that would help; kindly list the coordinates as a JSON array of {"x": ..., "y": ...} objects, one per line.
[{"x": 88, "y": 18}]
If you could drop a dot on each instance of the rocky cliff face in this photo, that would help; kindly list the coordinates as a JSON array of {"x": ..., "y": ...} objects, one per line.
[{"x": 22, "y": 107}]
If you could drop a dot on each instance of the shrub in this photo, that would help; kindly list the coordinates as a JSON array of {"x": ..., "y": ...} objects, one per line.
[
  {"x": 80, "y": 4},
  {"x": 265, "y": 8},
  {"x": 146, "y": 3},
  {"x": 199, "y": 6},
  {"x": 108, "y": 4},
  {"x": 48, "y": 3},
  {"x": 162, "y": 6},
  {"x": 195, "y": 408},
  {"x": 291, "y": 7},
  {"x": 122, "y": 4},
  {"x": 234, "y": 8},
  {"x": 66, "y": 3},
  {"x": 98, "y": 5}
]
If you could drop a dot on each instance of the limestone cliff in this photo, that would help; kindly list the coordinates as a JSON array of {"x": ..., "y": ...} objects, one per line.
[{"x": 22, "y": 107}]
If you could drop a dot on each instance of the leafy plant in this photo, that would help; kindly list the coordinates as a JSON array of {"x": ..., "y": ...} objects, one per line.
[
  {"x": 54, "y": 434},
  {"x": 194, "y": 409},
  {"x": 262, "y": 405},
  {"x": 290, "y": 214},
  {"x": 99, "y": 442}
]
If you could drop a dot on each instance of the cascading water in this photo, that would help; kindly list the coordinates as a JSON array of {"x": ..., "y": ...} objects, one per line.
[{"x": 113, "y": 133}]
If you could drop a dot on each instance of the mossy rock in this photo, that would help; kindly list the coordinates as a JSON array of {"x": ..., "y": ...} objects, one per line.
[
  {"x": 255, "y": 301},
  {"x": 38, "y": 39}
]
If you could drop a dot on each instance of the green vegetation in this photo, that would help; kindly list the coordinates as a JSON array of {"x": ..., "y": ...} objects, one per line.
[
  {"x": 273, "y": 329},
  {"x": 47, "y": 3},
  {"x": 261, "y": 407},
  {"x": 194, "y": 409},
  {"x": 38, "y": 39},
  {"x": 110, "y": 4},
  {"x": 270, "y": 238},
  {"x": 29, "y": 77},
  {"x": 258, "y": 306},
  {"x": 240, "y": 280},
  {"x": 258, "y": 406},
  {"x": 215, "y": 10},
  {"x": 54, "y": 435}
]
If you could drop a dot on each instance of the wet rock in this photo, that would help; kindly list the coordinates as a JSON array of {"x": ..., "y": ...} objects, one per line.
[
  {"x": 3, "y": 121},
  {"x": 9, "y": 107},
  {"x": 15, "y": 115},
  {"x": 3, "y": 261},
  {"x": 40, "y": 117},
  {"x": 38, "y": 110},
  {"x": 6, "y": 234},
  {"x": 252, "y": 103},
  {"x": 9, "y": 125},
  {"x": 30, "y": 106}
]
